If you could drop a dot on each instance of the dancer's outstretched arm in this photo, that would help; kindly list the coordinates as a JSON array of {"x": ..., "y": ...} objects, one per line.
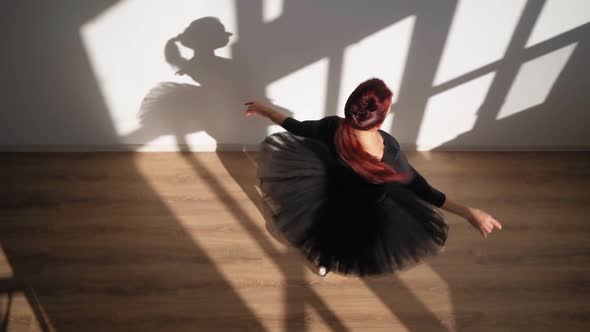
[
  {"x": 480, "y": 219},
  {"x": 260, "y": 109},
  {"x": 308, "y": 128}
]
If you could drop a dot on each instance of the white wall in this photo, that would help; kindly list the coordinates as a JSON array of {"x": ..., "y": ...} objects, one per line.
[{"x": 466, "y": 75}]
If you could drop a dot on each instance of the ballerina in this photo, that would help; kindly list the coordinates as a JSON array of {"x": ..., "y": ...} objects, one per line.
[{"x": 343, "y": 192}]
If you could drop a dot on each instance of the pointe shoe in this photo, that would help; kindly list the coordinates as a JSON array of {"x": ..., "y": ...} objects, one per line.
[{"x": 322, "y": 271}]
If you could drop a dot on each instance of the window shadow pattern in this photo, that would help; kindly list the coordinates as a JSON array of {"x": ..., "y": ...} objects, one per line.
[{"x": 55, "y": 278}]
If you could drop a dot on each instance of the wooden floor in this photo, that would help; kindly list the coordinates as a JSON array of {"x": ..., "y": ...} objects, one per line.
[{"x": 177, "y": 242}]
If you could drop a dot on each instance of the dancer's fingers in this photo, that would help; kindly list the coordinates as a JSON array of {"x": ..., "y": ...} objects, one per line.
[{"x": 497, "y": 223}]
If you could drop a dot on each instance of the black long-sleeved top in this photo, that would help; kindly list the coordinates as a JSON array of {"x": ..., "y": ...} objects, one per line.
[{"x": 325, "y": 128}]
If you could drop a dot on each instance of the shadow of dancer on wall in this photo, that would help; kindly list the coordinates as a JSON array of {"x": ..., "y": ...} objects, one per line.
[{"x": 213, "y": 106}]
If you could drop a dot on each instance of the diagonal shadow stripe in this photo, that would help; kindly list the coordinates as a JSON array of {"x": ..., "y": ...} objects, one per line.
[{"x": 234, "y": 208}]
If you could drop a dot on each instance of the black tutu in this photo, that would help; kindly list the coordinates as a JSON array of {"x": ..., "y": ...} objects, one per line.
[{"x": 338, "y": 220}]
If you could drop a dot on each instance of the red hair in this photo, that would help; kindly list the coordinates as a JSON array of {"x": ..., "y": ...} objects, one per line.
[{"x": 366, "y": 108}]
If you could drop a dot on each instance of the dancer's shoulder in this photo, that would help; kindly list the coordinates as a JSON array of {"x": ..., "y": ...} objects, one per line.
[
  {"x": 391, "y": 139},
  {"x": 333, "y": 120}
]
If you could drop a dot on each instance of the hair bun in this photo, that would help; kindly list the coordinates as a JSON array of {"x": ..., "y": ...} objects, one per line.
[
  {"x": 367, "y": 105},
  {"x": 371, "y": 104}
]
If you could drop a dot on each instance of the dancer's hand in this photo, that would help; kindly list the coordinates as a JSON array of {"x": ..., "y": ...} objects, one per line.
[
  {"x": 257, "y": 108},
  {"x": 483, "y": 221}
]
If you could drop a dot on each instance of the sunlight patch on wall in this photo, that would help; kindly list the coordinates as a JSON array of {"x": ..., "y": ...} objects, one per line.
[
  {"x": 534, "y": 81},
  {"x": 479, "y": 35},
  {"x": 452, "y": 112},
  {"x": 271, "y": 10},
  {"x": 557, "y": 17},
  {"x": 125, "y": 45},
  {"x": 382, "y": 55},
  {"x": 302, "y": 92}
]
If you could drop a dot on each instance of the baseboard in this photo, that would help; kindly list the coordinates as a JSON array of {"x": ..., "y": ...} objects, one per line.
[
  {"x": 129, "y": 148},
  {"x": 492, "y": 148},
  {"x": 256, "y": 147}
]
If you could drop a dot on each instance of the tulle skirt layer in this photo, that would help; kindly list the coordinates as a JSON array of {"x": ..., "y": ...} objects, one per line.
[{"x": 317, "y": 208}]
